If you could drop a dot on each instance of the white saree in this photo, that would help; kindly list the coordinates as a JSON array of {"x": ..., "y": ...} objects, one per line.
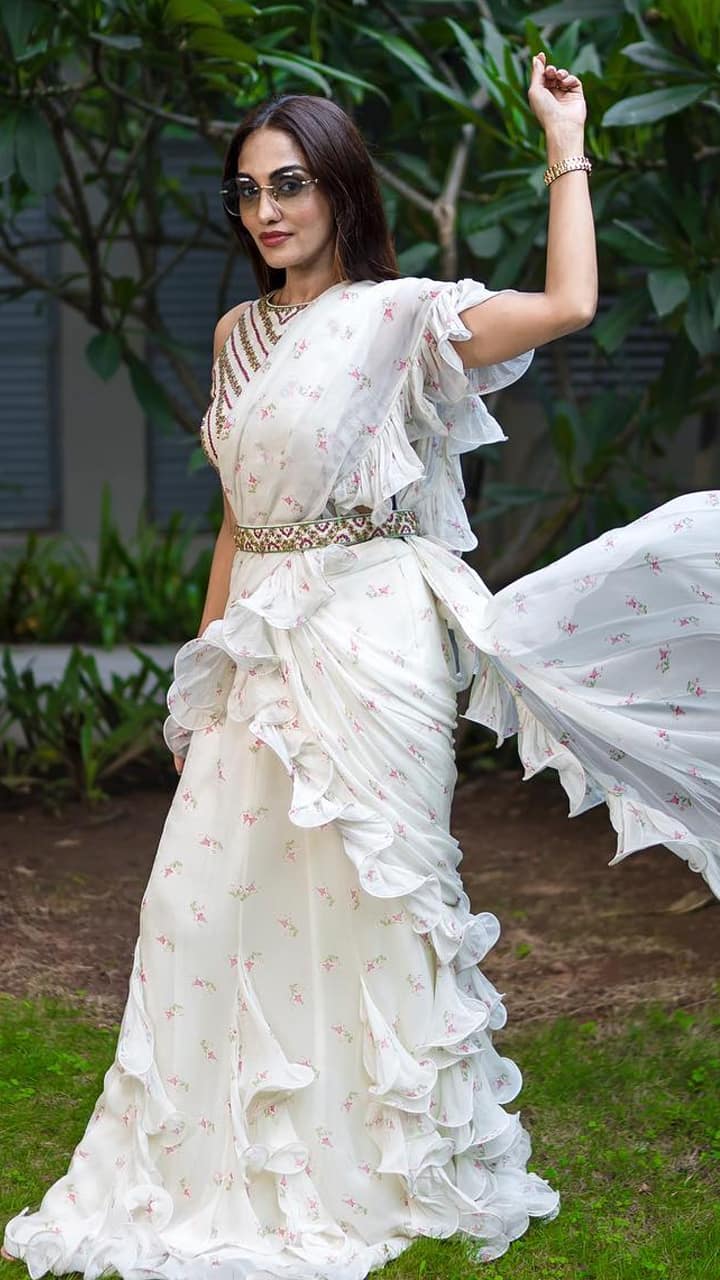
[{"x": 305, "y": 1078}]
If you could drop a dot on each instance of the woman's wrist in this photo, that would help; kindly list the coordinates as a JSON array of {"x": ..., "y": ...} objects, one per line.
[{"x": 563, "y": 141}]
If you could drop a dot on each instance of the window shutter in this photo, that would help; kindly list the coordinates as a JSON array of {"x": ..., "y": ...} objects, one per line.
[
  {"x": 29, "y": 478},
  {"x": 637, "y": 361},
  {"x": 188, "y": 299}
]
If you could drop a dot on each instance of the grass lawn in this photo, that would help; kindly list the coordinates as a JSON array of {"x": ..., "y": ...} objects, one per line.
[{"x": 625, "y": 1120}]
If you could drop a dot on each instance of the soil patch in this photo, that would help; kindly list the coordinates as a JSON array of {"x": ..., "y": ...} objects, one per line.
[{"x": 578, "y": 937}]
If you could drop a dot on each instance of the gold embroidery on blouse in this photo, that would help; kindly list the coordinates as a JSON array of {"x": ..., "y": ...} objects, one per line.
[
  {"x": 225, "y": 375},
  {"x": 248, "y": 349}
]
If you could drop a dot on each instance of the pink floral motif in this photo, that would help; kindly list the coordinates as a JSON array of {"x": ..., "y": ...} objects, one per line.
[
  {"x": 323, "y": 892},
  {"x": 653, "y": 562},
  {"x": 209, "y": 1052},
  {"x": 694, "y": 686},
  {"x": 701, "y": 593},
  {"x": 209, "y": 843},
  {"x": 362, "y": 379},
  {"x": 592, "y": 677},
  {"x": 415, "y": 983},
  {"x": 680, "y": 800},
  {"x": 689, "y": 620},
  {"x": 342, "y": 1031},
  {"x": 375, "y": 962},
  {"x": 286, "y": 922},
  {"x": 198, "y": 912},
  {"x": 173, "y": 1010},
  {"x": 165, "y": 942},
  {"x": 347, "y": 1103},
  {"x": 251, "y": 816},
  {"x": 620, "y": 637},
  {"x": 664, "y": 655},
  {"x": 330, "y": 962},
  {"x": 296, "y": 993},
  {"x": 663, "y": 737},
  {"x": 566, "y": 625},
  {"x": 636, "y": 605},
  {"x": 243, "y": 891},
  {"x": 250, "y": 961},
  {"x": 171, "y": 868}
]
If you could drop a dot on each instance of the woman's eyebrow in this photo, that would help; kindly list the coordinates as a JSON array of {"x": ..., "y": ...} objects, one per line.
[{"x": 287, "y": 168}]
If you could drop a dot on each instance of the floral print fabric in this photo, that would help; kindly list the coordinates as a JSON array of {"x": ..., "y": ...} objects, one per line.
[{"x": 306, "y": 1077}]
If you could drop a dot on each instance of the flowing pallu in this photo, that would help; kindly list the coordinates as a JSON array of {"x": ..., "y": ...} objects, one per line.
[{"x": 305, "y": 1078}]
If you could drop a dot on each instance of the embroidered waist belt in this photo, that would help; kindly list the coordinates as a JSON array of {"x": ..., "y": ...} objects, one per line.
[{"x": 306, "y": 534}]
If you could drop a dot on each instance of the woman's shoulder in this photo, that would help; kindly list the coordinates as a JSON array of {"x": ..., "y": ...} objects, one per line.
[{"x": 226, "y": 324}]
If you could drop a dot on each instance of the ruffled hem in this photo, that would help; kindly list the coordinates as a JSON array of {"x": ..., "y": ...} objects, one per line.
[
  {"x": 447, "y": 416},
  {"x": 436, "y": 1112},
  {"x": 389, "y": 465},
  {"x": 438, "y": 415},
  {"x": 655, "y": 792}
]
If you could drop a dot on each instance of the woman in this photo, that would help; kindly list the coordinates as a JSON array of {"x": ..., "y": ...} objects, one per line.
[{"x": 305, "y": 1078}]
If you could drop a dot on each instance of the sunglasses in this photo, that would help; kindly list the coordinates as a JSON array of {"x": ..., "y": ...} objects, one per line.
[{"x": 239, "y": 195}]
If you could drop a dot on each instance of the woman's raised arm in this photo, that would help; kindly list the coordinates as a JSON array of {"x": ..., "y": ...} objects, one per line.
[{"x": 513, "y": 322}]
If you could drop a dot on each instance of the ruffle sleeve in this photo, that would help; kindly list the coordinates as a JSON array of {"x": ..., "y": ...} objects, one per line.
[{"x": 446, "y": 415}]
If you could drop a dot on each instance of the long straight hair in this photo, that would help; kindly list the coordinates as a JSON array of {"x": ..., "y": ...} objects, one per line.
[{"x": 336, "y": 154}]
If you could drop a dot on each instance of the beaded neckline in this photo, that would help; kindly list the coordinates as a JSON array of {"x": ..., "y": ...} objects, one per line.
[
  {"x": 284, "y": 306},
  {"x": 295, "y": 306}
]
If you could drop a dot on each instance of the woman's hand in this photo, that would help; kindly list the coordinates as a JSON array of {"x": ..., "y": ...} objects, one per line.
[
  {"x": 556, "y": 95},
  {"x": 178, "y": 761}
]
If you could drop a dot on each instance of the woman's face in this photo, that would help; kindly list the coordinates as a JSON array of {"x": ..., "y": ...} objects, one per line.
[{"x": 307, "y": 220}]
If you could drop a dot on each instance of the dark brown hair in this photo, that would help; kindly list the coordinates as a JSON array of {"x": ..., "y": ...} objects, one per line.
[{"x": 336, "y": 154}]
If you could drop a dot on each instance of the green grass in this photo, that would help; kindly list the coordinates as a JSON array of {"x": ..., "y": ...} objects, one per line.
[{"x": 625, "y": 1122}]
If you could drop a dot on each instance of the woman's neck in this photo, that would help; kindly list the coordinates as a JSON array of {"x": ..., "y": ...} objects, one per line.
[{"x": 303, "y": 286}]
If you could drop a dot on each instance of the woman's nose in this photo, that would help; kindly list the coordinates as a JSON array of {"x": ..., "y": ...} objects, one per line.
[{"x": 267, "y": 210}]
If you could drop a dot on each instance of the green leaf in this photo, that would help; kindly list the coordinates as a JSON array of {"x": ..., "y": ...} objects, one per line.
[
  {"x": 37, "y": 157},
  {"x": 698, "y": 322},
  {"x": 104, "y": 353},
  {"x": 8, "y": 127},
  {"x": 19, "y": 18},
  {"x": 125, "y": 43},
  {"x": 405, "y": 53},
  {"x": 585, "y": 10},
  {"x": 419, "y": 256},
  {"x": 150, "y": 394},
  {"x": 291, "y": 64},
  {"x": 634, "y": 244},
  {"x": 220, "y": 44},
  {"x": 562, "y": 434},
  {"x": 668, "y": 287},
  {"x": 239, "y": 9},
  {"x": 645, "y": 108},
  {"x": 124, "y": 291},
  {"x": 296, "y": 61},
  {"x": 657, "y": 58},
  {"x": 587, "y": 59},
  {"x": 612, "y": 328},
  {"x": 197, "y": 12},
  {"x": 487, "y": 243}
]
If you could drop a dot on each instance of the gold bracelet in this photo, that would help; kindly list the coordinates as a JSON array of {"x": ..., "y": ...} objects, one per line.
[{"x": 565, "y": 166}]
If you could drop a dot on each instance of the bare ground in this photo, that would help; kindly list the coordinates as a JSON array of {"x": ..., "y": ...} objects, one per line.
[{"x": 579, "y": 937}]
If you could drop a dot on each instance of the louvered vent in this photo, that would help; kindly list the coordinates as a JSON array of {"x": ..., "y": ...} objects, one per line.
[
  {"x": 636, "y": 362},
  {"x": 29, "y": 478},
  {"x": 188, "y": 300}
]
